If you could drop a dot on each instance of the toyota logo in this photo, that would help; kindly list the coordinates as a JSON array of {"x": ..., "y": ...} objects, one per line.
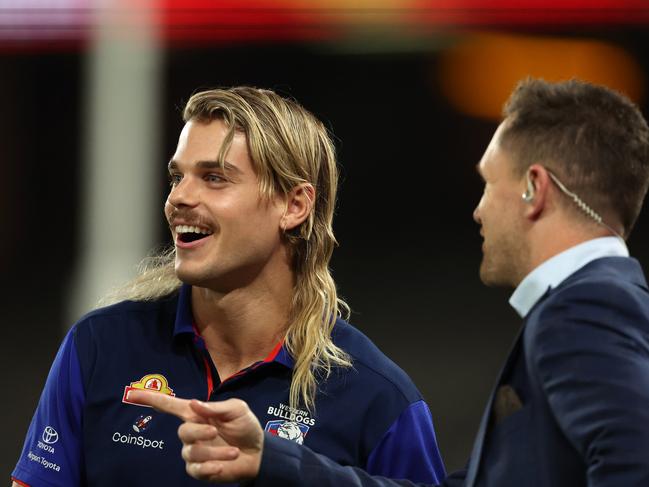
[{"x": 50, "y": 436}]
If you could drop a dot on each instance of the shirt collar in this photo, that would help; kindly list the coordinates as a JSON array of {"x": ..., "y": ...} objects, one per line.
[
  {"x": 555, "y": 270},
  {"x": 184, "y": 324},
  {"x": 184, "y": 318}
]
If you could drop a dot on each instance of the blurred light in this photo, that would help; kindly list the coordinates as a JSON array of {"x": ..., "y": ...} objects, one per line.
[
  {"x": 566, "y": 13},
  {"x": 119, "y": 203},
  {"x": 44, "y": 24},
  {"x": 479, "y": 73},
  {"x": 44, "y": 19},
  {"x": 214, "y": 21}
]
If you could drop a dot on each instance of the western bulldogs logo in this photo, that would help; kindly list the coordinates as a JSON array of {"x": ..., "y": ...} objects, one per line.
[{"x": 288, "y": 429}]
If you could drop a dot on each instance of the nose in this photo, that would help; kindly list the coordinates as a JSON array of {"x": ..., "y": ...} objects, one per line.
[
  {"x": 183, "y": 194},
  {"x": 476, "y": 213}
]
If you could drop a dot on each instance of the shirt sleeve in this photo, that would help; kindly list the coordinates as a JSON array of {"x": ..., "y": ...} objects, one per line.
[
  {"x": 52, "y": 454},
  {"x": 408, "y": 450},
  {"x": 288, "y": 464}
]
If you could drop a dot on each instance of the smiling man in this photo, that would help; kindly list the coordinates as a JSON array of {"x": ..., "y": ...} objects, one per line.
[
  {"x": 565, "y": 176},
  {"x": 243, "y": 307}
]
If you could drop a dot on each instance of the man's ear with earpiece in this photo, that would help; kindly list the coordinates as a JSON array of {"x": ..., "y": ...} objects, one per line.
[
  {"x": 537, "y": 180},
  {"x": 528, "y": 195}
]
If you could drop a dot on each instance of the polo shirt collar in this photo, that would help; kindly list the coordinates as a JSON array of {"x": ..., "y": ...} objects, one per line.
[
  {"x": 184, "y": 324},
  {"x": 184, "y": 319},
  {"x": 555, "y": 270}
]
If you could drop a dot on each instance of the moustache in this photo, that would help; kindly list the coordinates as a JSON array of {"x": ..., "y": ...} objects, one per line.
[{"x": 188, "y": 218}]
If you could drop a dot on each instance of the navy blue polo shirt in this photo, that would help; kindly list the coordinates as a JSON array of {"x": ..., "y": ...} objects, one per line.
[{"x": 85, "y": 432}]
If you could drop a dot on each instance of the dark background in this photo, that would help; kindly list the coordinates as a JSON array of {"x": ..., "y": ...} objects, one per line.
[{"x": 409, "y": 250}]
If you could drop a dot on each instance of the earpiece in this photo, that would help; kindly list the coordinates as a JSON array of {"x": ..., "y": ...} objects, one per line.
[{"x": 528, "y": 195}]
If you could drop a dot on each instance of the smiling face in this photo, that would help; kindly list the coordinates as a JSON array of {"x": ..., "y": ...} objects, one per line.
[
  {"x": 500, "y": 215},
  {"x": 224, "y": 232}
]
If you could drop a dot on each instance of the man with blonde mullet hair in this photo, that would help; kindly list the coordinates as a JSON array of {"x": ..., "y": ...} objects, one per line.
[
  {"x": 565, "y": 177},
  {"x": 243, "y": 306}
]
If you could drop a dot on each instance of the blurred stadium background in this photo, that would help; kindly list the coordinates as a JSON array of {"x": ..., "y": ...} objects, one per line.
[{"x": 90, "y": 100}]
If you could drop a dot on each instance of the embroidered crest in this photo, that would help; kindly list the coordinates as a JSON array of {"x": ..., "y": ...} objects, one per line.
[
  {"x": 150, "y": 382},
  {"x": 289, "y": 430}
]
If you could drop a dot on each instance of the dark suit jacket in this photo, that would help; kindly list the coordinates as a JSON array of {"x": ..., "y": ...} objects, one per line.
[{"x": 581, "y": 370}]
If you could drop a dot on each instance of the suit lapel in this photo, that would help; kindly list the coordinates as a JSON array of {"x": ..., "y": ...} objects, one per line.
[{"x": 476, "y": 453}]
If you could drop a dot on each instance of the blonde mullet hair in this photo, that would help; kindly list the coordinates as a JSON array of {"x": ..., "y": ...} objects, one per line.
[{"x": 288, "y": 146}]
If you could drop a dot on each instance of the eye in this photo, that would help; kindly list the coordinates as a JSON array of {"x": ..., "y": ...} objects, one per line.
[
  {"x": 174, "y": 178},
  {"x": 214, "y": 178}
]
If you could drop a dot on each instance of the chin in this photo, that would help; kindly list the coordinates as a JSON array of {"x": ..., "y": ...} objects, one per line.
[
  {"x": 493, "y": 278},
  {"x": 193, "y": 277},
  {"x": 484, "y": 278},
  {"x": 216, "y": 281},
  {"x": 489, "y": 276}
]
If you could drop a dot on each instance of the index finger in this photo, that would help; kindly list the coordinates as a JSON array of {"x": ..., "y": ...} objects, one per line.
[{"x": 164, "y": 403}]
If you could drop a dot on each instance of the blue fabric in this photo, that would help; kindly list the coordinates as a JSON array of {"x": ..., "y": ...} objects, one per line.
[
  {"x": 112, "y": 442},
  {"x": 53, "y": 443},
  {"x": 286, "y": 464},
  {"x": 581, "y": 370},
  {"x": 408, "y": 450}
]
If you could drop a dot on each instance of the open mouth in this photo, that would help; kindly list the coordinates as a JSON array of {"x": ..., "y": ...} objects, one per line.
[{"x": 189, "y": 233}]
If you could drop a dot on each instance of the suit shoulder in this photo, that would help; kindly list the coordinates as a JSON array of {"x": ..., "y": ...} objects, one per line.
[
  {"x": 578, "y": 316},
  {"x": 605, "y": 279},
  {"x": 605, "y": 293},
  {"x": 374, "y": 368}
]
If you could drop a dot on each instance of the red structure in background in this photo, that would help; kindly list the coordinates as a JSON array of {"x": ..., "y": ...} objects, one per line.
[{"x": 69, "y": 24}]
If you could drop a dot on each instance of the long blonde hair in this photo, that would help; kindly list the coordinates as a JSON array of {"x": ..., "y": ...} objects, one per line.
[{"x": 288, "y": 146}]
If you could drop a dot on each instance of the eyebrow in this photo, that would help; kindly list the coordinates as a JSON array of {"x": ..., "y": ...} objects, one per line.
[{"x": 207, "y": 164}]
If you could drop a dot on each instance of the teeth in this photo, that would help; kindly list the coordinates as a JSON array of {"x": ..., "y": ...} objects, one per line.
[{"x": 192, "y": 229}]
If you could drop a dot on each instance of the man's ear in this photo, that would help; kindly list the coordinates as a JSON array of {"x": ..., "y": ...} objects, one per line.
[
  {"x": 537, "y": 184},
  {"x": 299, "y": 203}
]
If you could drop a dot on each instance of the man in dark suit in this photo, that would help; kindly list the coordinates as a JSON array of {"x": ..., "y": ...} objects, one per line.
[{"x": 565, "y": 177}]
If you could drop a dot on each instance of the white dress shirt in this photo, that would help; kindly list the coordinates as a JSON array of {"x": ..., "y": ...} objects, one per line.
[{"x": 555, "y": 270}]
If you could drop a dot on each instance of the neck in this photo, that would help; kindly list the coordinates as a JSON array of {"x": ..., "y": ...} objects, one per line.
[
  {"x": 242, "y": 326},
  {"x": 547, "y": 242}
]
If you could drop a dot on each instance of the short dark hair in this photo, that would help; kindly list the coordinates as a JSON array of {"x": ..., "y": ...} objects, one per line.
[{"x": 593, "y": 138}]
